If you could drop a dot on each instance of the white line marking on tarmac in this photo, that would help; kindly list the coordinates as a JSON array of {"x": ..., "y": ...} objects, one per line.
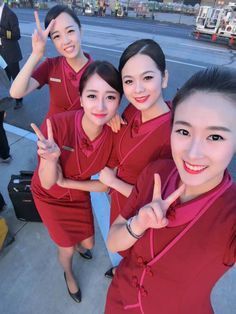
[
  {"x": 120, "y": 51},
  {"x": 207, "y": 48}
]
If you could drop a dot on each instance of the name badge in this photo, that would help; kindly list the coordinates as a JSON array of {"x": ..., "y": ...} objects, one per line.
[
  {"x": 53, "y": 79},
  {"x": 70, "y": 149}
]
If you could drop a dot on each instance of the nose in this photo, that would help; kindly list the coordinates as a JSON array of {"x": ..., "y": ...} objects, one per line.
[
  {"x": 101, "y": 104},
  {"x": 66, "y": 39},
  {"x": 195, "y": 149},
  {"x": 139, "y": 87}
]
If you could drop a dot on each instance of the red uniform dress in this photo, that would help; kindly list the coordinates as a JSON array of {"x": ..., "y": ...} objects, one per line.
[
  {"x": 67, "y": 213},
  {"x": 173, "y": 269},
  {"x": 136, "y": 145},
  {"x": 63, "y": 83}
]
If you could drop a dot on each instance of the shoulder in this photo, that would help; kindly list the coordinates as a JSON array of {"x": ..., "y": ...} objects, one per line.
[
  {"x": 161, "y": 166},
  {"x": 55, "y": 61},
  {"x": 64, "y": 119}
]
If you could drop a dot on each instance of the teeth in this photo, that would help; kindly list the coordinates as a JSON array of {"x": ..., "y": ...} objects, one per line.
[{"x": 194, "y": 168}]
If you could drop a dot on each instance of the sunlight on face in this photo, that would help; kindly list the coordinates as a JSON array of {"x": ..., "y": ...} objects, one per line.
[
  {"x": 66, "y": 36},
  {"x": 203, "y": 139},
  {"x": 142, "y": 81}
]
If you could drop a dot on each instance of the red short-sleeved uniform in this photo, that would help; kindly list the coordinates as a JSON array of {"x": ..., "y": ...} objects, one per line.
[
  {"x": 136, "y": 145},
  {"x": 157, "y": 276},
  {"x": 63, "y": 83},
  {"x": 67, "y": 213}
]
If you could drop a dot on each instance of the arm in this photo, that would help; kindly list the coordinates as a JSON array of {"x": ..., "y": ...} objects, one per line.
[
  {"x": 88, "y": 185},
  {"x": 152, "y": 215},
  {"x": 108, "y": 177},
  {"x": 24, "y": 83}
]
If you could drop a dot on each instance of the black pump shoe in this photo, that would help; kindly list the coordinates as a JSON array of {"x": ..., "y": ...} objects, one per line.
[
  {"x": 87, "y": 254},
  {"x": 109, "y": 274},
  {"x": 75, "y": 296}
]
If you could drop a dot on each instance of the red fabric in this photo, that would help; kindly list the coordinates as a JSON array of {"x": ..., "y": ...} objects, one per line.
[
  {"x": 67, "y": 213},
  {"x": 180, "y": 282},
  {"x": 136, "y": 145},
  {"x": 64, "y": 92}
]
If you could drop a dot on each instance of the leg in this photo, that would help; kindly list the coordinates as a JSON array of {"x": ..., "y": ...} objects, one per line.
[
  {"x": 65, "y": 256},
  {"x": 4, "y": 146},
  {"x": 84, "y": 247},
  {"x": 12, "y": 71}
]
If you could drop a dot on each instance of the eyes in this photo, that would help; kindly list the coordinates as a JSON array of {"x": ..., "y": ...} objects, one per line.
[
  {"x": 212, "y": 137},
  {"x": 57, "y": 36},
  {"x": 108, "y": 97},
  {"x": 145, "y": 78}
]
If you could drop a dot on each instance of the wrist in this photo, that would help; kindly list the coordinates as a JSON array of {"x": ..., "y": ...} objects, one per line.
[
  {"x": 132, "y": 228},
  {"x": 137, "y": 225}
]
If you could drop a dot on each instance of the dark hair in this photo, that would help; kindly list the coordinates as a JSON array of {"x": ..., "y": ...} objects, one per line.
[
  {"x": 219, "y": 80},
  {"x": 146, "y": 47},
  {"x": 57, "y": 10},
  {"x": 106, "y": 71}
]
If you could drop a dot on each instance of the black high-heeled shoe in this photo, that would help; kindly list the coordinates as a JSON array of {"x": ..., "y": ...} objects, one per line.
[
  {"x": 87, "y": 254},
  {"x": 75, "y": 296}
]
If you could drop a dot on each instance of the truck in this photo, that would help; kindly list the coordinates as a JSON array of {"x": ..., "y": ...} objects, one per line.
[{"x": 217, "y": 23}]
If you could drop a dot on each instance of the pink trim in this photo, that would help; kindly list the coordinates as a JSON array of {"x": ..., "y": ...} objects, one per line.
[
  {"x": 105, "y": 131},
  {"x": 164, "y": 119},
  {"x": 151, "y": 244},
  {"x": 72, "y": 103},
  {"x": 183, "y": 232},
  {"x": 131, "y": 306}
]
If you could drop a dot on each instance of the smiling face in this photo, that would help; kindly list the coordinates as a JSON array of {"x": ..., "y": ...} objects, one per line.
[
  {"x": 66, "y": 36},
  {"x": 143, "y": 82},
  {"x": 203, "y": 139},
  {"x": 99, "y": 101}
]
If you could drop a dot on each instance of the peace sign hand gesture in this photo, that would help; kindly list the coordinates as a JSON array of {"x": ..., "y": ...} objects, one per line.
[
  {"x": 153, "y": 215},
  {"x": 47, "y": 148},
  {"x": 40, "y": 36}
]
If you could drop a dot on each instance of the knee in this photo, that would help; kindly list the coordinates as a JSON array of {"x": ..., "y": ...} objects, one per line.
[
  {"x": 88, "y": 243},
  {"x": 65, "y": 251}
]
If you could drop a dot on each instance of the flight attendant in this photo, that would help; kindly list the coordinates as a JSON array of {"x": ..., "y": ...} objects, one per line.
[
  {"x": 81, "y": 142},
  {"x": 179, "y": 224},
  {"x": 63, "y": 73},
  {"x": 146, "y": 136}
]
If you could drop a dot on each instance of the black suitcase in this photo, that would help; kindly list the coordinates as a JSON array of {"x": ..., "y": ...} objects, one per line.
[{"x": 21, "y": 197}]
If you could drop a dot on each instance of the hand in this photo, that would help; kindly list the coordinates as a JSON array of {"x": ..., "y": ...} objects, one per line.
[
  {"x": 153, "y": 215},
  {"x": 107, "y": 176},
  {"x": 40, "y": 36},
  {"x": 47, "y": 148},
  {"x": 116, "y": 122}
]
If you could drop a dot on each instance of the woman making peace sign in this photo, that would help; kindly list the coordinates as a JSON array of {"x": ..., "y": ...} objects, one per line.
[
  {"x": 180, "y": 225},
  {"x": 81, "y": 142},
  {"x": 63, "y": 73}
]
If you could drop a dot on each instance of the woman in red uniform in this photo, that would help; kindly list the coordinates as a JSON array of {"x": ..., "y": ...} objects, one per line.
[
  {"x": 81, "y": 142},
  {"x": 146, "y": 136},
  {"x": 179, "y": 223},
  {"x": 62, "y": 73}
]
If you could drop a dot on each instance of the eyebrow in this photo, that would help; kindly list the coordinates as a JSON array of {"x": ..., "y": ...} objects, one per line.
[
  {"x": 53, "y": 33},
  {"x": 97, "y": 91},
  {"x": 149, "y": 71},
  {"x": 211, "y": 128}
]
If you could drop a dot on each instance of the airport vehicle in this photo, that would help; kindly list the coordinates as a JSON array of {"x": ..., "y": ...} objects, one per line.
[{"x": 218, "y": 23}]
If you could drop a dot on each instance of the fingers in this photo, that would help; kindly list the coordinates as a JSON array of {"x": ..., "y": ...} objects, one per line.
[
  {"x": 37, "y": 132},
  {"x": 176, "y": 194},
  {"x": 122, "y": 121},
  {"x": 156, "y": 188},
  {"x": 49, "y": 131},
  {"x": 49, "y": 28},
  {"x": 37, "y": 21}
]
